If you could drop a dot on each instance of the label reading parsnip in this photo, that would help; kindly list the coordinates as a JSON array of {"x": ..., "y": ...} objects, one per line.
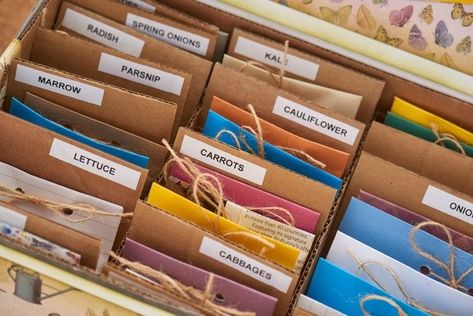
[
  {"x": 95, "y": 164},
  {"x": 244, "y": 264},
  {"x": 448, "y": 204},
  {"x": 141, "y": 74},
  {"x": 275, "y": 57},
  {"x": 139, "y": 5},
  {"x": 314, "y": 120},
  {"x": 102, "y": 33},
  {"x": 221, "y": 160},
  {"x": 57, "y": 84},
  {"x": 179, "y": 38}
]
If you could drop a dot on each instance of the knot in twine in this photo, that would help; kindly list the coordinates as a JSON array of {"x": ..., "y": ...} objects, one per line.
[
  {"x": 258, "y": 133},
  {"x": 370, "y": 297},
  {"x": 446, "y": 137},
  {"x": 61, "y": 209},
  {"x": 209, "y": 188},
  {"x": 278, "y": 78},
  {"x": 203, "y": 298},
  {"x": 449, "y": 267}
]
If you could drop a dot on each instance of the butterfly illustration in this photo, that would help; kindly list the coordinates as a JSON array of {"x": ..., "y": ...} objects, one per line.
[
  {"x": 442, "y": 37},
  {"x": 416, "y": 40},
  {"x": 381, "y": 2},
  {"x": 430, "y": 56},
  {"x": 339, "y": 17},
  {"x": 464, "y": 46},
  {"x": 365, "y": 19},
  {"x": 459, "y": 12},
  {"x": 448, "y": 61},
  {"x": 382, "y": 36},
  {"x": 400, "y": 17},
  {"x": 306, "y": 1},
  {"x": 427, "y": 14}
]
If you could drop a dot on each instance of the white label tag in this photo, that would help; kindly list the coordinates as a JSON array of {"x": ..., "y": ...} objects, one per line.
[
  {"x": 141, "y": 74},
  {"x": 57, "y": 84},
  {"x": 314, "y": 120},
  {"x": 221, "y": 160},
  {"x": 102, "y": 33},
  {"x": 179, "y": 38},
  {"x": 275, "y": 57},
  {"x": 95, "y": 164},
  {"x": 12, "y": 218},
  {"x": 448, "y": 204},
  {"x": 245, "y": 264},
  {"x": 140, "y": 5}
]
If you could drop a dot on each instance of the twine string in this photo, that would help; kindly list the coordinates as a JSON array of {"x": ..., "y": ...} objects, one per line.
[
  {"x": 374, "y": 297},
  {"x": 203, "y": 298},
  {"x": 63, "y": 210},
  {"x": 446, "y": 137}
]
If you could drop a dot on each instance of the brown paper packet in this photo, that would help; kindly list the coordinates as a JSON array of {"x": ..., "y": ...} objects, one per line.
[
  {"x": 30, "y": 148},
  {"x": 200, "y": 42},
  {"x": 142, "y": 115},
  {"x": 420, "y": 156},
  {"x": 156, "y": 51},
  {"x": 156, "y": 153},
  {"x": 247, "y": 46},
  {"x": 87, "y": 246},
  {"x": 189, "y": 243},
  {"x": 343, "y": 133},
  {"x": 276, "y": 180},
  {"x": 90, "y": 60},
  {"x": 409, "y": 190}
]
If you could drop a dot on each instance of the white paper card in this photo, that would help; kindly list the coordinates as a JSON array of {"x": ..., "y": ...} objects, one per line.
[
  {"x": 101, "y": 227},
  {"x": 314, "y": 120},
  {"x": 221, "y": 160},
  {"x": 95, "y": 164},
  {"x": 245, "y": 264},
  {"x": 421, "y": 288},
  {"x": 274, "y": 57},
  {"x": 102, "y": 33},
  {"x": 140, "y": 5},
  {"x": 142, "y": 74},
  {"x": 448, "y": 204},
  {"x": 57, "y": 84},
  {"x": 314, "y": 307},
  {"x": 166, "y": 33},
  {"x": 12, "y": 218},
  {"x": 269, "y": 227}
]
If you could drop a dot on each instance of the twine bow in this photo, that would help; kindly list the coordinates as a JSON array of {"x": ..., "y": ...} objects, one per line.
[
  {"x": 61, "y": 209},
  {"x": 203, "y": 298},
  {"x": 446, "y": 137}
]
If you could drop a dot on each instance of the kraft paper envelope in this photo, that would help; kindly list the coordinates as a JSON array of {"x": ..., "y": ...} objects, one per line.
[
  {"x": 335, "y": 160},
  {"x": 422, "y": 157},
  {"x": 427, "y": 292},
  {"x": 185, "y": 209},
  {"x": 391, "y": 236},
  {"x": 341, "y": 102},
  {"x": 189, "y": 38},
  {"x": 288, "y": 111},
  {"x": 402, "y": 124},
  {"x": 137, "y": 44},
  {"x": 22, "y": 111},
  {"x": 412, "y": 191},
  {"x": 216, "y": 123},
  {"x": 247, "y": 46},
  {"x": 249, "y": 196},
  {"x": 312, "y": 306},
  {"x": 100, "y": 227},
  {"x": 188, "y": 243},
  {"x": 343, "y": 291},
  {"x": 425, "y": 118},
  {"x": 94, "y": 61},
  {"x": 136, "y": 113},
  {"x": 85, "y": 245},
  {"x": 459, "y": 240},
  {"x": 228, "y": 293},
  {"x": 256, "y": 172},
  {"x": 88, "y": 126}
]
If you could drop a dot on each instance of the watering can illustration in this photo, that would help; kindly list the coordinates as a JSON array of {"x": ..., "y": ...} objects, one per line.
[{"x": 28, "y": 285}]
